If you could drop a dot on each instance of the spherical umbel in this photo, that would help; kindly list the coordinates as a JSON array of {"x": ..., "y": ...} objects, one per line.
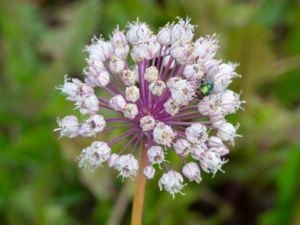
[{"x": 166, "y": 90}]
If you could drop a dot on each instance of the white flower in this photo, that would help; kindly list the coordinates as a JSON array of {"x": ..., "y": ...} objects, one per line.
[
  {"x": 206, "y": 47},
  {"x": 127, "y": 165},
  {"x": 153, "y": 83},
  {"x": 68, "y": 126},
  {"x": 182, "y": 147},
  {"x": 121, "y": 52},
  {"x": 218, "y": 146},
  {"x": 198, "y": 150},
  {"x": 149, "y": 172},
  {"x": 196, "y": 133},
  {"x": 157, "y": 87},
  {"x": 224, "y": 76},
  {"x": 88, "y": 104},
  {"x": 156, "y": 155},
  {"x": 172, "y": 182},
  {"x": 132, "y": 93},
  {"x": 194, "y": 72},
  {"x": 226, "y": 131},
  {"x": 211, "y": 66},
  {"x": 75, "y": 89},
  {"x": 102, "y": 78},
  {"x": 230, "y": 102},
  {"x": 138, "y": 32},
  {"x": 146, "y": 50},
  {"x": 117, "y": 102},
  {"x": 130, "y": 111},
  {"x": 129, "y": 77},
  {"x": 163, "y": 134},
  {"x": 116, "y": 65},
  {"x": 182, "y": 31},
  {"x": 93, "y": 125},
  {"x": 211, "y": 162},
  {"x": 99, "y": 50},
  {"x": 151, "y": 74},
  {"x": 93, "y": 156},
  {"x": 182, "y": 52},
  {"x": 181, "y": 90},
  {"x": 119, "y": 38},
  {"x": 171, "y": 107},
  {"x": 223, "y": 103},
  {"x": 147, "y": 123},
  {"x": 137, "y": 54},
  {"x": 192, "y": 172},
  {"x": 112, "y": 162},
  {"x": 164, "y": 35}
]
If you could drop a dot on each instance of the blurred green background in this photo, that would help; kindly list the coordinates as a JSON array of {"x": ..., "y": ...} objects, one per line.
[{"x": 40, "y": 183}]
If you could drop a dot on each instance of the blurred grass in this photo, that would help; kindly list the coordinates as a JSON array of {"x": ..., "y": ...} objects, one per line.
[{"x": 39, "y": 182}]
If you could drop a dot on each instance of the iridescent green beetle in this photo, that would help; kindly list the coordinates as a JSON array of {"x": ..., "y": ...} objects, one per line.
[{"x": 205, "y": 87}]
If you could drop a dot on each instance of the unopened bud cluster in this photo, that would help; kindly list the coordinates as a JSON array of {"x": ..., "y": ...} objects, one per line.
[{"x": 174, "y": 97}]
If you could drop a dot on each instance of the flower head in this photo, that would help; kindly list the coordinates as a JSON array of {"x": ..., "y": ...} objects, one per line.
[{"x": 174, "y": 97}]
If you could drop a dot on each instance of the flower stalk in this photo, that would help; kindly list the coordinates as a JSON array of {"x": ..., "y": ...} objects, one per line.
[{"x": 138, "y": 200}]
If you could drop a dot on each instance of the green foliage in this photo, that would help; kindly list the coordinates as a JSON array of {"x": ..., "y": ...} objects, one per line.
[{"x": 39, "y": 180}]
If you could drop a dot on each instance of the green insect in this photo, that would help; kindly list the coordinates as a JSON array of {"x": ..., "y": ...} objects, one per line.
[{"x": 205, "y": 87}]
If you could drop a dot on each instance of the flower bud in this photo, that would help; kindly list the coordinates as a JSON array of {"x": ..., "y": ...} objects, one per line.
[
  {"x": 164, "y": 35},
  {"x": 147, "y": 123},
  {"x": 224, "y": 76},
  {"x": 171, "y": 107},
  {"x": 117, "y": 103},
  {"x": 130, "y": 111},
  {"x": 119, "y": 38},
  {"x": 121, "y": 52},
  {"x": 206, "y": 47},
  {"x": 99, "y": 50},
  {"x": 68, "y": 126},
  {"x": 116, "y": 65},
  {"x": 211, "y": 67},
  {"x": 102, "y": 78},
  {"x": 129, "y": 77},
  {"x": 198, "y": 151},
  {"x": 151, "y": 74},
  {"x": 75, "y": 89},
  {"x": 196, "y": 133},
  {"x": 183, "y": 31},
  {"x": 182, "y": 147},
  {"x": 138, "y": 32},
  {"x": 226, "y": 131},
  {"x": 132, "y": 93},
  {"x": 157, "y": 87},
  {"x": 88, "y": 105},
  {"x": 181, "y": 90},
  {"x": 218, "y": 145},
  {"x": 149, "y": 172},
  {"x": 194, "y": 72},
  {"x": 113, "y": 160},
  {"x": 182, "y": 52},
  {"x": 192, "y": 172}
]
